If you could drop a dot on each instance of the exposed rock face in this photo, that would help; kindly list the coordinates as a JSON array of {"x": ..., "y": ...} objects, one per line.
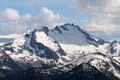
[{"x": 65, "y": 52}]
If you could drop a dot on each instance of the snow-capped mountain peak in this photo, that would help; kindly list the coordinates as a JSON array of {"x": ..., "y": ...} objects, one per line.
[
  {"x": 115, "y": 48},
  {"x": 72, "y": 34},
  {"x": 65, "y": 45}
]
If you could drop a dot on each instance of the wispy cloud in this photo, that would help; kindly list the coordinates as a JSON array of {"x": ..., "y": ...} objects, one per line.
[
  {"x": 99, "y": 6},
  {"x": 107, "y": 28},
  {"x": 105, "y": 12}
]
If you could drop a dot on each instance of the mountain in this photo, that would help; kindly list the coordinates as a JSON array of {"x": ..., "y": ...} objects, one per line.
[
  {"x": 7, "y": 38},
  {"x": 65, "y": 52}
]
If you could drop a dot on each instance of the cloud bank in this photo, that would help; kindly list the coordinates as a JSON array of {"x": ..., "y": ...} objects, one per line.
[
  {"x": 106, "y": 14},
  {"x": 48, "y": 17},
  {"x": 11, "y": 21},
  {"x": 99, "y": 6}
]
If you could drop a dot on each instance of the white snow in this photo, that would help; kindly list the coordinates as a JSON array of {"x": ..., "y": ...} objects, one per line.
[
  {"x": 25, "y": 56},
  {"x": 19, "y": 42},
  {"x": 46, "y": 40},
  {"x": 2, "y": 44},
  {"x": 74, "y": 36},
  {"x": 73, "y": 42},
  {"x": 8, "y": 52}
]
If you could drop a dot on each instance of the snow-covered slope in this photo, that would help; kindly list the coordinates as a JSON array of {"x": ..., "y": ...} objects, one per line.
[
  {"x": 65, "y": 45},
  {"x": 7, "y": 38}
]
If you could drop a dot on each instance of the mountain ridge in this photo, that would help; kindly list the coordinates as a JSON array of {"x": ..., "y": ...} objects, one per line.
[{"x": 66, "y": 46}]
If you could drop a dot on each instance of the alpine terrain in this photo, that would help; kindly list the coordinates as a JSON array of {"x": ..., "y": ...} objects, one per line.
[{"x": 64, "y": 53}]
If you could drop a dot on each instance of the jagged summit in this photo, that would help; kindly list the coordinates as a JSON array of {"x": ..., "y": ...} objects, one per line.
[
  {"x": 73, "y": 34},
  {"x": 115, "y": 48},
  {"x": 69, "y": 34},
  {"x": 63, "y": 48},
  {"x": 66, "y": 27}
]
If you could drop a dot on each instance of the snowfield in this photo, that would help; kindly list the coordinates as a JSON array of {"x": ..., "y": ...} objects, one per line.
[{"x": 64, "y": 45}]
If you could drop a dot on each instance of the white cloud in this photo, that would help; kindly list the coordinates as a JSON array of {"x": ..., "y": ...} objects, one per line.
[
  {"x": 48, "y": 17},
  {"x": 99, "y": 6},
  {"x": 106, "y": 12},
  {"x": 107, "y": 28},
  {"x": 11, "y": 21},
  {"x": 26, "y": 16},
  {"x": 10, "y": 14},
  {"x": 104, "y": 24}
]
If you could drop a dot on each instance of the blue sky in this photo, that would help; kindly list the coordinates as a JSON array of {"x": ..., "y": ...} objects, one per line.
[
  {"x": 99, "y": 17},
  {"x": 63, "y": 7}
]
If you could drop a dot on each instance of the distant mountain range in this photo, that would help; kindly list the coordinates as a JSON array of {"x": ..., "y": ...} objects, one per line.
[
  {"x": 64, "y": 53},
  {"x": 7, "y": 38}
]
